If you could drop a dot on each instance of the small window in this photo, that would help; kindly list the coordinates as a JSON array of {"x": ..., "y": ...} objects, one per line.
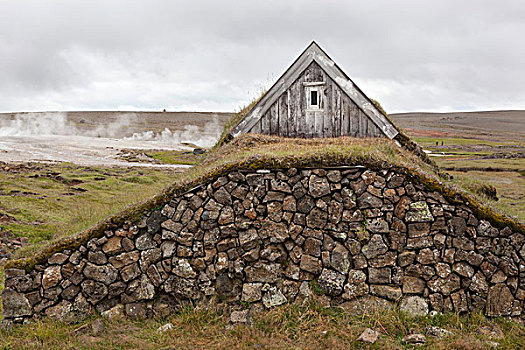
[
  {"x": 313, "y": 98},
  {"x": 314, "y": 92}
]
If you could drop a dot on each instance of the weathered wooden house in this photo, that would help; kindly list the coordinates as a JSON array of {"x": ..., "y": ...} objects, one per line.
[{"x": 315, "y": 98}]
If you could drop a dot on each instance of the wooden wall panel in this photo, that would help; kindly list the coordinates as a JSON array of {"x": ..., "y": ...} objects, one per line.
[{"x": 340, "y": 116}]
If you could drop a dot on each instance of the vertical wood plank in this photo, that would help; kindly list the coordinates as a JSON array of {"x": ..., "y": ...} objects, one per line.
[
  {"x": 328, "y": 108},
  {"x": 265, "y": 123},
  {"x": 309, "y": 123},
  {"x": 371, "y": 129},
  {"x": 363, "y": 124},
  {"x": 336, "y": 117},
  {"x": 318, "y": 121},
  {"x": 375, "y": 130},
  {"x": 354, "y": 115},
  {"x": 302, "y": 127},
  {"x": 274, "y": 119},
  {"x": 291, "y": 113},
  {"x": 342, "y": 113},
  {"x": 283, "y": 115}
]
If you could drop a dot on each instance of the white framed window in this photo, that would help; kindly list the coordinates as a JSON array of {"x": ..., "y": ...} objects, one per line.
[{"x": 314, "y": 95}]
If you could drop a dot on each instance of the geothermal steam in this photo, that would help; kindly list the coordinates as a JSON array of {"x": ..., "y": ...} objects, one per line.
[
  {"x": 190, "y": 134},
  {"x": 57, "y": 123}
]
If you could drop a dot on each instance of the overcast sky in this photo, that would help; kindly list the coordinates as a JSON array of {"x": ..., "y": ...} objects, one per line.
[{"x": 217, "y": 55}]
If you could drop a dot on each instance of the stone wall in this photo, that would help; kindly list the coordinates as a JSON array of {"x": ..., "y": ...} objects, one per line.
[{"x": 269, "y": 237}]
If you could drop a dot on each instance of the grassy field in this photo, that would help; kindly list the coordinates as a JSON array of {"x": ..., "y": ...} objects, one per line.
[
  {"x": 473, "y": 162},
  {"x": 160, "y": 156},
  {"x": 50, "y": 201},
  {"x": 286, "y": 327},
  {"x": 45, "y": 202}
]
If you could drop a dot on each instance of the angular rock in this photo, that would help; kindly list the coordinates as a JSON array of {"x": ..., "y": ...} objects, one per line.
[
  {"x": 251, "y": 292},
  {"x": 366, "y": 305},
  {"x": 15, "y": 304},
  {"x": 124, "y": 259},
  {"x": 416, "y": 339},
  {"x": 94, "y": 291},
  {"x": 340, "y": 258},
  {"x": 419, "y": 212},
  {"x": 182, "y": 268},
  {"x": 387, "y": 292},
  {"x": 376, "y": 246},
  {"x": 273, "y": 297},
  {"x": 418, "y": 229},
  {"x": 379, "y": 276},
  {"x": 115, "y": 312},
  {"x": 51, "y": 276},
  {"x": 312, "y": 246},
  {"x": 437, "y": 332},
  {"x": 499, "y": 301},
  {"x": 458, "y": 226},
  {"x": 316, "y": 218},
  {"x": 140, "y": 289},
  {"x": 366, "y": 200},
  {"x": 277, "y": 232},
  {"x": 459, "y": 301},
  {"x": 106, "y": 273},
  {"x": 241, "y": 317},
  {"x": 57, "y": 259},
  {"x": 182, "y": 287},
  {"x": 368, "y": 336},
  {"x": 445, "y": 286},
  {"x": 331, "y": 282},
  {"x": 356, "y": 285},
  {"x": 222, "y": 196},
  {"x": 318, "y": 186},
  {"x": 145, "y": 241},
  {"x": 130, "y": 272},
  {"x": 136, "y": 311},
  {"x": 377, "y": 225},
  {"x": 97, "y": 258},
  {"x": 413, "y": 285},
  {"x": 226, "y": 216},
  {"x": 265, "y": 273},
  {"x": 414, "y": 306},
  {"x": 66, "y": 312},
  {"x": 406, "y": 258},
  {"x": 310, "y": 264},
  {"x": 113, "y": 245},
  {"x": 442, "y": 270},
  {"x": 464, "y": 269}
]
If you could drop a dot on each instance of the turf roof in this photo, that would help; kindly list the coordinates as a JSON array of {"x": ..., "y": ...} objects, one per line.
[{"x": 251, "y": 152}]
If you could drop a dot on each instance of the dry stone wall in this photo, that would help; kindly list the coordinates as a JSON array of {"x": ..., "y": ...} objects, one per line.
[{"x": 270, "y": 237}]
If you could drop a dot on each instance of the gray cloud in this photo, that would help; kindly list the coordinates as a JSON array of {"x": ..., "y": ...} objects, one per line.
[{"x": 216, "y": 55}]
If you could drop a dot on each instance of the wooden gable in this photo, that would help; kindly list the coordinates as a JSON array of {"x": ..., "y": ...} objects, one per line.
[{"x": 314, "y": 98}]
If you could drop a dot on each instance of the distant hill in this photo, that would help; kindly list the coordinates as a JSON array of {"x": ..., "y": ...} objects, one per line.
[{"x": 490, "y": 125}]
